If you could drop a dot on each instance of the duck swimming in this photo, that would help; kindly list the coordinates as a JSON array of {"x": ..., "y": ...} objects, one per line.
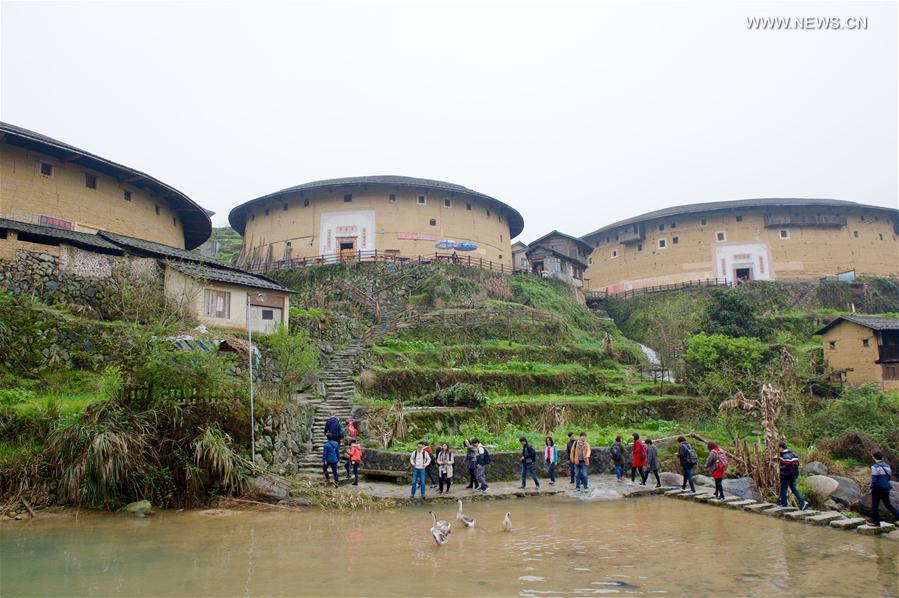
[
  {"x": 507, "y": 522},
  {"x": 466, "y": 520}
]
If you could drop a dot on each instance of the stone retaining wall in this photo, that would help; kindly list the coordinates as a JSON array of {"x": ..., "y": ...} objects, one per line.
[{"x": 284, "y": 435}]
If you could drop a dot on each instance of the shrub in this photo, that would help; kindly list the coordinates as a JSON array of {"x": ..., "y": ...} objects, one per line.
[
  {"x": 295, "y": 352},
  {"x": 733, "y": 313},
  {"x": 457, "y": 395},
  {"x": 718, "y": 365}
]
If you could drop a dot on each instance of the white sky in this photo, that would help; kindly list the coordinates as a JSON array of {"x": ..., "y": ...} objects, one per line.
[{"x": 577, "y": 114}]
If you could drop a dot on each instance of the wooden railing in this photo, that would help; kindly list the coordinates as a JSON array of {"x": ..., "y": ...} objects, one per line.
[
  {"x": 689, "y": 284},
  {"x": 379, "y": 256}
]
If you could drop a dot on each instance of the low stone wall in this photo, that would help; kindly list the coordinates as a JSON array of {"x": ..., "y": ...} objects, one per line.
[{"x": 284, "y": 435}]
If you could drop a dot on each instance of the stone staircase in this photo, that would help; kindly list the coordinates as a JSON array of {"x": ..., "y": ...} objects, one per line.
[{"x": 337, "y": 381}]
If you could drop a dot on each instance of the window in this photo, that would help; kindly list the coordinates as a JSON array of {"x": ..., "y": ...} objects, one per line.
[
  {"x": 468, "y": 207},
  {"x": 289, "y": 243},
  {"x": 500, "y": 238},
  {"x": 126, "y": 194},
  {"x": 422, "y": 200},
  {"x": 661, "y": 227},
  {"x": 156, "y": 207},
  {"x": 881, "y": 236},
  {"x": 739, "y": 218},
  {"x": 268, "y": 314},
  {"x": 663, "y": 243},
  {"x": 703, "y": 222},
  {"x": 267, "y": 211},
  {"x": 252, "y": 216},
  {"x": 832, "y": 344},
  {"x": 284, "y": 207},
  {"x": 674, "y": 240},
  {"x": 392, "y": 198},
  {"x": 865, "y": 343},
  {"x": 673, "y": 225},
  {"x": 447, "y": 203},
  {"x": 174, "y": 221},
  {"x": 590, "y": 260},
  {"x": 500, "y": 256},
  {"x": 720, "y": 236},
  {"x": 348, "y": 198},
  {"x": 488, "y": 213},
  {"x": 784, "y": 233},
  {"x": 855, "y": 234},
  {"x": 614, "y": 253},
  {"x": 433, "y": 222},
  {"x": 216, "y": 304},
  {"x": 306, "y": 203},
  {"x": 639, "y": 246},
  {"x": 46, "y": 169},
  {"x": 890, "y": 372},
  {"x": 90, "y": 181}
]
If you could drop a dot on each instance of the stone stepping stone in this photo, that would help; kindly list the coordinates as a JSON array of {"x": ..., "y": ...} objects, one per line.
[
  {"x": 824, "y": 518},
  {"x": 675, "y": 492},
  {"x": 758, "y": 507},
  {"x": 686, "y": 495},
  {"x": 800, "y": 515},
  {"x": 894, "y": 536},
  {"x": 848, "y": 523},
  {"x": 871, "y": 530},
  {"x": 739, "y": 504},
  {"x": 703, "y": 496},
  {"x": 779, "y": 511}
]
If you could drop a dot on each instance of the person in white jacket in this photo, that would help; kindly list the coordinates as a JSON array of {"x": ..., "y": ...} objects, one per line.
[{"x": 419, "y": 459}]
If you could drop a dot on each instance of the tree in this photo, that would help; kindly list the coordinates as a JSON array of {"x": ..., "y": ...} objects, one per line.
[
  {"x": 295, "y": 353},
  {"x": 733, "y": 313}
]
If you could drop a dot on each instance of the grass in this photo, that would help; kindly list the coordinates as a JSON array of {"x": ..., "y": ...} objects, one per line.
[
  {"x": 496, "y": 399},
  {"x": 67, "y": 391}
]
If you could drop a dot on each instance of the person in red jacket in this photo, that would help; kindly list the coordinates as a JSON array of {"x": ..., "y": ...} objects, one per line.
[
  {"x": 716, "y": 464},
  {"x": 638, "y": 459},
  {"x": 355, "y": 458}
]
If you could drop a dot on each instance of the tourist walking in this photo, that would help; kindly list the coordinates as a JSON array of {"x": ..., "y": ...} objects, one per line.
[
  {"x": 528, "y": 456},
  {"x": 617, "y": 451},
  {"x": 571, "y": 464},
  {"x": 330, "y": 458},
  {"x": 351, "y": 430},
  {"x": 483, "y": 459},
  {"x": 638, "y": 458},
  {"x": 471, "y": 462},
  {"x": 789, "y": 473},
  {"x": 355, "y": 458},
  {"x": 880, "y": 488},
  {"x": 551, "y": 456},
  {"x": 716, "y": 464},
  {"x": 445, "y": 468},
  {"x": 652, "y": 463},
  {"x": 686, "y": 454},
  {"x": 420, "y": 459},
  {"x": 333, "y": 427},
  {"x": 429, "y": 470},
  {"x": 580, "y": 454}
]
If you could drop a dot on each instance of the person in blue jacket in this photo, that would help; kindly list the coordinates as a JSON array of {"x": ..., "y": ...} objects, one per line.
[
  {"x": 330, "y": 458},
  {"x": 880, "y": 488}
]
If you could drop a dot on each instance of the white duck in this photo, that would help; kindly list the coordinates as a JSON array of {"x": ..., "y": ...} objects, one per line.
[
  {"x": 507, "y": 522},
  {"x": 466, "y": 520},
  {"x": 440, "y": 530}
]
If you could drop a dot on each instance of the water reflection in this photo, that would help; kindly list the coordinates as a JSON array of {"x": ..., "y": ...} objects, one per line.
[{"x": 559, "y": 547}]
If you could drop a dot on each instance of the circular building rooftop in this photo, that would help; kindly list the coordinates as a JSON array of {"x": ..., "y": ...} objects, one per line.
[{"x": 238, "y": 216}]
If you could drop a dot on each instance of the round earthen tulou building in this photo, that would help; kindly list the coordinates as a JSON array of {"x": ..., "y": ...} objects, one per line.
[
  {"x": 749, "y": 239},
  {"x": 375, "y": 217}
]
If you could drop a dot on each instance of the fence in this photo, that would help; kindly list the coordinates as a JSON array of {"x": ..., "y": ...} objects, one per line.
[
  {"x": 380, "y": 256},
  {"x": 706, "y": 282}
]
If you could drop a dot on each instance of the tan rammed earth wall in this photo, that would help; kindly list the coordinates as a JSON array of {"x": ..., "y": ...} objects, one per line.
[
  {"x": 850, "y": 352},
  {"x": 300, "y": 225},
  {"x": 810, "y": 252},
  {"x": 191, "y": 291},
  {"x": 26, "y": 194}
]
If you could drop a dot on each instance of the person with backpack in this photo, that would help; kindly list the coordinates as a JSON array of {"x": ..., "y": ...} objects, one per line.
[
  {"x": 333, "y": 427},
  {"x": 419, "y": 459},
  {"x": 716, "y": 465},
  {"x": 789, "y": 473},
  {"x": 330, "y": 458},
  {"x": 638, "y": 459},
  {"x": 551, "y": 455},
  {"x": 688, "y": 458},
  {"x": 880, "y": 488},
  {"x": 355, "y": 458},
  {"x": 652, "y": 463},
  {"x": 351, "y": 430},
  {"x": 445, "y": 460},
  {"x": 471, "y": 462},
  {"x": 483, "y": 459},
  {"x": 528, "y": 456},
  {"x": 580, "y": 454},
  {"x": 571, "y": 464},
  {"x": 617, "y": 451}
]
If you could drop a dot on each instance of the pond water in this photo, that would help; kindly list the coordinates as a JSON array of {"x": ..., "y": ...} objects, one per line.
[{"x": 559, "y": 547}]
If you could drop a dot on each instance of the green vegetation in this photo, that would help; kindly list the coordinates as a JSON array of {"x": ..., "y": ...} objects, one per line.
[{"x": 230, "y": 244}]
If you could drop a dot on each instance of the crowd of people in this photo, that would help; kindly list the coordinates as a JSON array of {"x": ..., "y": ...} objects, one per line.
[{"x": 430, "y": 462}]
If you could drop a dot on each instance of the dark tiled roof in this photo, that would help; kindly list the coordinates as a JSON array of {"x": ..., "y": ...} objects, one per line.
[
  {"x": 197, "y": 225},
  {"x": 153, "y": 249},
  {"x": 238, "y": 215},
  {"x": 872, "y": 322},
  {"x": 60, "y": 235},
  {"x": 737, "y": 204},
  {"x": 556, "y": 233},
  {"x": 556, "y": 252},
  {"x": 235, "y": 277}
]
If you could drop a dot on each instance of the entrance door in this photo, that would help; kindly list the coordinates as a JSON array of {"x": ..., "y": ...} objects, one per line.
[
  {"x": 346, "y": 246},
  {"x": 743, "y": 274}
]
